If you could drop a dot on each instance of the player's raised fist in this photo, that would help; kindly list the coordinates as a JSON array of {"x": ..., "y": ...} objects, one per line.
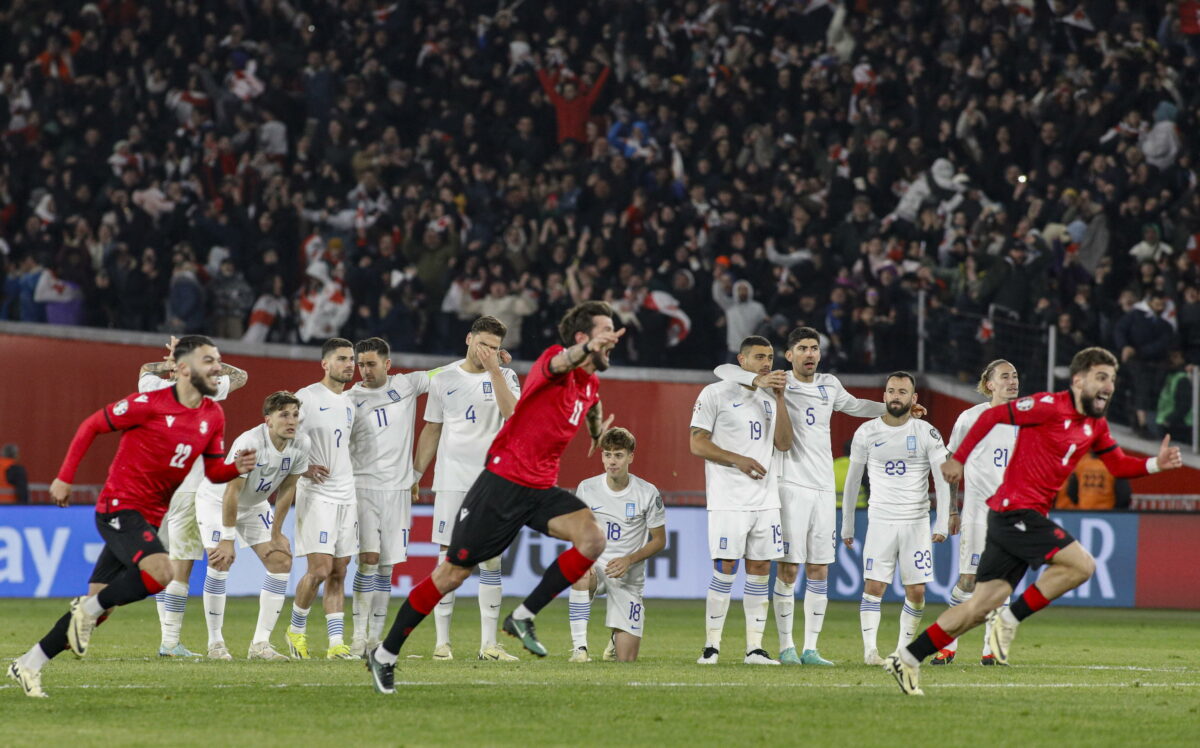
[
  {"x": 1169, "y": 457},
  {"x": 246, "y": 460},
  {"x": 61, "y": 492}
]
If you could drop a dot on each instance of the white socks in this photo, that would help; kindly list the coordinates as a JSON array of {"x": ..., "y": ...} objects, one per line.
[
  {"x": 363, "y": 598},
  {"x": 491, "y": 594},
  {"x": 214, "y": 603},
  {"x": 35, "y": 659},
  {"x": 174, "y": 601},
  {"x": 335, "y": 628},
  {"x": 299, "y": 619},
  {"x": 442, "y": 611},
  {"x": 910, "y": 619},
  {"x": 755, "y": 603},
  {"x": 522, "y": 613},
  {"x": 785, "y": 609},
  {"x": 92, "y": 606},
  {"x": 987, "y": 631},
  {"x": 579, "y": 610},
  {"x": 270, "y": 605},
  {"x": 816, "y": 600},
  {"x": 720, "y": 588},
  {"x": 958, "y": 597},
  {"x": 868, "y": 615},
  {"x": 379, "y": 603}
]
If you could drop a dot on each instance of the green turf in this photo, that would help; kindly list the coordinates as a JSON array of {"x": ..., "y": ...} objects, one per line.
[{"x": 1081, "y": 677}]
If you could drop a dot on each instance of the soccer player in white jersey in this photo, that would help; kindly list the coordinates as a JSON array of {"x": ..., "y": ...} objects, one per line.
[
  {"x": 469, "y": 401},
  {"x": 239, "y": 509},
  {"x": 326, "y": 511},
  {"x": 982, "y": 475},
  {"x": 899, "y": 453},
  {"x": 736, "y": 429},
  {"x": 807, "y": 491},
  {"x": 381, "y": 448},
  {"x": 179, "y": 532},
  {"x": 630, "y": 513}
]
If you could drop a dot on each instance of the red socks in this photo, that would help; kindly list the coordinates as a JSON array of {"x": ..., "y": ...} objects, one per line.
[
  {"x": 574, "y": 564},
  {"x": 424, "y": 596}
]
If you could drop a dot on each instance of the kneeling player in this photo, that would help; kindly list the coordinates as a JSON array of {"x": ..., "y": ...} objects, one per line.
[
  {"x": 899, "y": 453},
  {"x": 630, "y": 513},
  {"x": 240, "y": 508}
]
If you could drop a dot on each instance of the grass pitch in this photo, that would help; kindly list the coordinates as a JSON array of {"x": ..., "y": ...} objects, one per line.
[{"x": 1080, "y": 677}]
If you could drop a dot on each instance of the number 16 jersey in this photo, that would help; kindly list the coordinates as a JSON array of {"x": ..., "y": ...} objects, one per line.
[{"x": 465, "y": 405}]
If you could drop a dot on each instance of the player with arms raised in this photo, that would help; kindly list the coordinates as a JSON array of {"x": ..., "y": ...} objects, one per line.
[
  {"x": 164, "y": 432},
  {"x": 517, "y": 489},
  {"x": 1057, "y": 430},
  {"x": 736, "y": 429},
  {"x": 899, "y": 453},
  {"x": 982, "y": 473},
  {"x": 630, "y": 512},
  {"x": 469, "y": 401},
  {"x": 240, "y": 509}
]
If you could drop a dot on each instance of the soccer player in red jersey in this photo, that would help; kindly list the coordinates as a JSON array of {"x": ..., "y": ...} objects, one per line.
[
  {"x": 163, "y": 433},
  {"x": 517, "y": 487},
  {"x": 1057, "y": 430}
]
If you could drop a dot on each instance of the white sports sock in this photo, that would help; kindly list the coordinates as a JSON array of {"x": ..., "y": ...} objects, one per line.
[
  {"x": 175, "y": 601},
  {"x": 785, "y": 609},
  {"x": 957, "y": 597},
  {"x": 755, "y": 603},
  {"x": 720, "y": 589},
  {"x": 335, "y": 628},
  {"x": 910, "y": 620},
  {"x": 384, "y": 656},
  {"x": 491, "y": 594},
  {"x": 363, "y": 597},
  {"x": 35, "y": 659},
  {"x": 579, "y": 611},
  {"x": 299, "y": 619},
  {"x": 270, "y": 605},
  {"x": 92, "y": 606},
  {"x": 160, "y": 604},
  {"x": 1007, "y": 615},
  {"x": 214, "y": 603},
  {"x": 522, "y": 613},
  {"x": 868, "y": 615},
  {"x": 987, "y": 632},
  {"x": 443, "y": 610},
  {"x": 816, "y": 601},
  {"x": 380, "y": 602}
]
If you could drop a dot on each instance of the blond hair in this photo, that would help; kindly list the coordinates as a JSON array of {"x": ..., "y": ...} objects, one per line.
[{"x": 988, "y": 371}]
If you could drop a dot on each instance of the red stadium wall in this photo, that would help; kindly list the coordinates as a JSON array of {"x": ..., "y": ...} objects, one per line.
[{"x": 50, "y": 385}]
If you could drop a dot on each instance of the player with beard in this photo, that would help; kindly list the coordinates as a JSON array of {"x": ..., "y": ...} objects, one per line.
[
  {"x": 517, "y": 487},
  {"x": 164, "y": 433},
  {"x": 1056, "y": 431},
  {"x": 899, "y": 453}
]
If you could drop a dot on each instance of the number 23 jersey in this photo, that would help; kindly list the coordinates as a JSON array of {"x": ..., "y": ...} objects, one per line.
[{"x": 899, "y": 461}]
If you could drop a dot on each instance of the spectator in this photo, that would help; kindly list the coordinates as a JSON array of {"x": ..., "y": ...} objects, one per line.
[
  {"x": 230, "y": 297},
  {"x": 509, "y": 304},
  {"x": 14, "y": 481},
  {"x": 572, "y": 102},
  {"x": 1144, "y": 338},
  {"x": 1174, "y": 414},
  {"x": 185, "y": 299},
  {"x": 743, "y": 314}
]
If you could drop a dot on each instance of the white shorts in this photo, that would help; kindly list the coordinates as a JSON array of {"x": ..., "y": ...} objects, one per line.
[
  {"x": 753, "y": 535},
  {"x": 253, "y": 523},
  {"x": 910, "y": 543},
  {"x": 384, "y": 521},
  {"x": 179, "y": 532},
  {"x": 972, "y": 534},
  {"x": 624, "y": 609},
  {"x": 445, "y": 513},
  {"x": 808, "y": 516},
  {"x": 325, "y": 526}
]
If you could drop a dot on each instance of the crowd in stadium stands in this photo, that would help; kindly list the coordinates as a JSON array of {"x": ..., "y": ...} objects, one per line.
[{"x": 282, "y": 171}]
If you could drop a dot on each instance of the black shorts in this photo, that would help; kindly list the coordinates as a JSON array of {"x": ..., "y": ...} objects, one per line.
[
  {"x": 1018, "y": 541},
  {"x": 128, "y": 538},
  {"x": 495, "y": 510}
]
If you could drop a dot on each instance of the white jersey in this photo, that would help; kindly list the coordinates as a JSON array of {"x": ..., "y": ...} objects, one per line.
[
  {"x": 984, "y": 469},
  {"x": 152, "y": 383},
  {"x": 327, "y": 419},
  {"x": 742, "y": 421},
  {"x": 273, "y": 465},
  {"x": 624, "y": 516},
  {"x": 381, "y": 444},
  {"x": 899, "y": 460},
  {"x": 465, "y": 405}
]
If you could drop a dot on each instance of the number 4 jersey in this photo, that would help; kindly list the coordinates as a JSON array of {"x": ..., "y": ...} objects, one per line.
[
  {"x": 272, "y": 466},
  {"x": 465, "y": 404}
]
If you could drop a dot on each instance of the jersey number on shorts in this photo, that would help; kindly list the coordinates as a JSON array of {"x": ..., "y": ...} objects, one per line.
[
  {"x": 755, "y": 430},
  {"x": 923, "y": 560},
  {"x": 896, "y": 467},
  {"x": 635, "y": 611},
  {"x": 182, "y": 453},
  {"x": 614, "y": 531},
  {"x": 576, "y": 413}
]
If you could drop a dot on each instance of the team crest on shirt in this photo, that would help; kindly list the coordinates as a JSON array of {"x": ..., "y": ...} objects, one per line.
[
  {"x": 204, "y": 427},
  {"x": 1024, "y": 404},
  {"x": 824, "y": 394},
  {"x": 1087, "y": 429},
  {"x": 724, "y": 544},
  {"x": 121, "y": 408},
  {"x": 394, "y": 395},
  {"x": 630, "y": 510},
  {"x": 870, "y": 564},
  {"x": 349, "y": 416},
  {"x": 141, "y": 399},
  {"x": 170, "y": 421},
  {"x": 767, "y": 408},
  {"x": 911, "y": 444},
  {"x": 285, "y": 465},
  {"x": 934, "y": 433},
  {"x": 487, "y": 388}
]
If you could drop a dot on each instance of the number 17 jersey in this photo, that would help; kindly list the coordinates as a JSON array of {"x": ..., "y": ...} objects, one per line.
[{"x": 465, "y": 405}]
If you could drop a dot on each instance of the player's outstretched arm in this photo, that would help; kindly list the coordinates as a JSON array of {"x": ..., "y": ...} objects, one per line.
[
  {"x": 96, "y": 423},
  {"x": 219, "y": 471},
  {"x": 578, "y": 354},
  {"x": 597, "y": 424},
  {"x": 850, "y": 500},
  {"x": 783, "y": 421},
  {"x": 1122, "y": 465},
  {"x": 735, "y": 373},
  {"x": 702, "y": 446}
]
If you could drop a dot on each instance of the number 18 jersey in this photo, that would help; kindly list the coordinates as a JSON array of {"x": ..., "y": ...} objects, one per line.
[{"x": 465, "y": 405}]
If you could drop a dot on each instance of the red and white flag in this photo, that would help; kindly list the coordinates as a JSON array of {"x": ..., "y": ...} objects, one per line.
[{"x": 680, "y": 324}]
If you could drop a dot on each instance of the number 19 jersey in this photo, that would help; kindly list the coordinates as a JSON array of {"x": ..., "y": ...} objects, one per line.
[
  {"x": 465, "y": 405},
  {"x": 741, "y": 420}
]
